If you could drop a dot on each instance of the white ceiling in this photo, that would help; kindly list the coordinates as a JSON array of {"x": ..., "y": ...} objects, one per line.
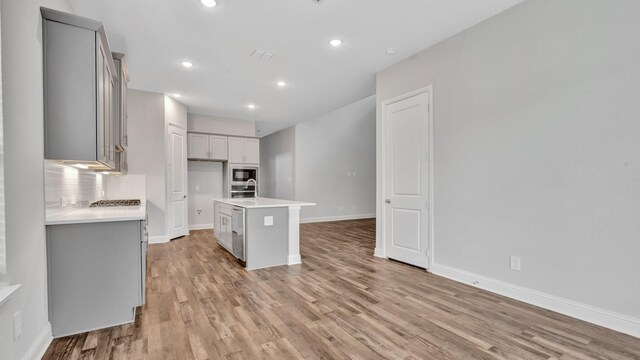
[{"x": 157, "y": 35}]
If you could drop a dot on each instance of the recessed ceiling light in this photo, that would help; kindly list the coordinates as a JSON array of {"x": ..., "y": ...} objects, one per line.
[
  {"x": 209, "y": 3},
  {"x": 335, "y": 42},
  {"x": 187, "y": 64},
  {"x": 282, "y": 83},
  {"x": 176, "y": 95},
  {"x": 390, "y": 51},
  {"x": 251, "y": 106}
]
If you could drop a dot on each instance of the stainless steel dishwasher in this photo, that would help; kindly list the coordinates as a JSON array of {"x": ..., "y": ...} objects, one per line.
[{"x": 237, "y": 231}]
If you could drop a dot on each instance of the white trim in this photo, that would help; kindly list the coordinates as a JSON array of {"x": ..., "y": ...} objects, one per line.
[
  {"x": 201, "y": 227},
  {"x": 40, "y": 344},
  {"x": 293, "y": 249},
  {"x": 609, "y": 319},
  {"x": 382, "y": 252},
  {"x": 159, "y": 239},
  {"x": 337, "y": 218},
  {"x": 7, "y": 291}
]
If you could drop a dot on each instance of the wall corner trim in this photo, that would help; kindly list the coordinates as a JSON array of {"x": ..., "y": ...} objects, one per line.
[
  {"x": 40, "y": 344},
  {"x": 294, "y": 260},
  {"x": 159, "y": 239},
  {"x": 606, "y": 318},
  {"x": 201, "y": 227}
]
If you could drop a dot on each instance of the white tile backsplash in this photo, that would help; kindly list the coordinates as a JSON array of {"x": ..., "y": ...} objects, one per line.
[{"x": 66, "y": 186}]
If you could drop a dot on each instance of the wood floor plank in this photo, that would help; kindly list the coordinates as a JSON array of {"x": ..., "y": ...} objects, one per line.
[{"x": 341, "y": 303}]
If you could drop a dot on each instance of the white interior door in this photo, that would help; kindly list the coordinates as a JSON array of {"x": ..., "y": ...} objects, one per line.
[
  {"x": 406, "y": 183},
  {"x": 177, "y": 182}
]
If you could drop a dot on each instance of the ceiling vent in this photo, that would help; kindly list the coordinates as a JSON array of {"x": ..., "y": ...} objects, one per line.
[{"x": 263, "y": 55}]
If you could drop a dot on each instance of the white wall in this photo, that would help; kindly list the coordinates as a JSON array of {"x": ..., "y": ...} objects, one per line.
[
  {"x": 335, "y": 163},
  {"x": 276, "y": 164},
  {"x": 146, "y": 154},
  {"x": 220, "y": 125},
  {"x": 22, "y": 84},
  {"x": 205, "y": 184},
  {"x": 536, "y": 148}
]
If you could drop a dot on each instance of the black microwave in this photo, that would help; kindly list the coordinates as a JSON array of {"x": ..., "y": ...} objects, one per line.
[{"x": 244, "y": 174}]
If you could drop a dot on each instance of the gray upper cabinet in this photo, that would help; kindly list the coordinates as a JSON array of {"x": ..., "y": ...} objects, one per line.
[
  {"x": 207, "y": 147},
  {"x": 79, "y": 89},
  {"x": 244, "y": 150}
]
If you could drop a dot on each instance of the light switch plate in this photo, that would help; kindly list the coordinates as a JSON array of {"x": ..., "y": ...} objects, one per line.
[{"x": 268, "y": 221}]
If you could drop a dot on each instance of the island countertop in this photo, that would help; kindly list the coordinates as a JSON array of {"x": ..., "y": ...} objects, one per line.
[{"x": 249, "y": 203}]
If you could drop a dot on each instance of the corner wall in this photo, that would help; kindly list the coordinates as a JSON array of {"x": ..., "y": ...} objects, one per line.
[
  {"x": 536, "y": 154},
  {"x": 146, "y": 154}
]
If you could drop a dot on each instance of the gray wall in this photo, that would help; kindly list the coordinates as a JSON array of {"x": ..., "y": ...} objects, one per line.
[
  {"x": 329, "y": 160},
  {"x": 276, "y": 164},
  {"x": 335, "y": 163},
  {"x": 22, "y": 85},
  {"x": 146, "y": 154},
  {"x": 536, "y": 147}
]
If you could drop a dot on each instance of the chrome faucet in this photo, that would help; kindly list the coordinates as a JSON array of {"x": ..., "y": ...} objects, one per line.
[{"x": 255, "y": 184}]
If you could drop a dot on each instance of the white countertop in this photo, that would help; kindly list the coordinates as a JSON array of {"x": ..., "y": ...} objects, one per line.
[
  {"x": 96, "y": 214},
  {"x": 250, "y": 203}
]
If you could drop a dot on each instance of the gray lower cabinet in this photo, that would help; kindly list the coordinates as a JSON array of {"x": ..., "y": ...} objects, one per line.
[{"x": 96, "y": 274}]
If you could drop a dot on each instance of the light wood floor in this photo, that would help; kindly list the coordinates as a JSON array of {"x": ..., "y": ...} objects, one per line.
[{"x": 342, "y": 303}]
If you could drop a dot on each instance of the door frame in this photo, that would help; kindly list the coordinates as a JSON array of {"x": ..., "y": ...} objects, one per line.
[
  {"x": 168, "y": 212},
  {"x": 386, "y": 103}
]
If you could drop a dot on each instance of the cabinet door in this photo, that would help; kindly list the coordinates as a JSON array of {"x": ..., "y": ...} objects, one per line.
[
  {"x": 236, "y": 150},
  {"x": 252, "y": 151},
  {"x": 217, "y": 147},
  {"x": 124, "y": 117},
  {"x": 198, "y": 145},
  {"x": 102, "y": 122}
]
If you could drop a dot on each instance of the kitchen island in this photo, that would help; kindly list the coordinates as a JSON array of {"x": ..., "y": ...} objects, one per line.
[{"x": 260, "y": 232}]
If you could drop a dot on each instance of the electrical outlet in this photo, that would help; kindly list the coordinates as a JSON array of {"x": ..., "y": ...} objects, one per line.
[
  {"x": 17, "y": 325},
  {"x": 268, "y": 221},
  {"x": 197, "y": 187},
  {"x": 340, "y": 208},
  {"x": 516, "y": 263},
  {"x": 198, "y": 211},
  {"x": 73, "y": 199},
  {"x": 354, "y": 208},
  {"x": 63, "y": 201}
]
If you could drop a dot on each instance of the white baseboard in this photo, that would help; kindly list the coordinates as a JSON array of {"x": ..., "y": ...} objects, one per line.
[
  {"x": 336, "y": 218},
  {"x": 40, "y": 344},
  {"x": 201, "y": 227},
  {"x": 378, "y": 252},
  {"x": 294, "y": 260},
  {"x": 609, "y": 319},
  {"x": 159, "y": 239}
]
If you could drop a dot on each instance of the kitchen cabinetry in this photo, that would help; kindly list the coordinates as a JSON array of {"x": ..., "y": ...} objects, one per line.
[
  {"x": 244, "y": 150},
  {"x": 96, "y": 274},
  {"x": 78, "y": 91},
  {"x": 222, "y": 227},
  {"x": 120, "y": 113},
  {"x": 207, "y": 147}
]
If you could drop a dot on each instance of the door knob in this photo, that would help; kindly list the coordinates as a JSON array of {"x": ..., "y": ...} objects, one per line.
[
  {"x": 388, "y": 201},
  {"x": 185, "y": 196}
]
